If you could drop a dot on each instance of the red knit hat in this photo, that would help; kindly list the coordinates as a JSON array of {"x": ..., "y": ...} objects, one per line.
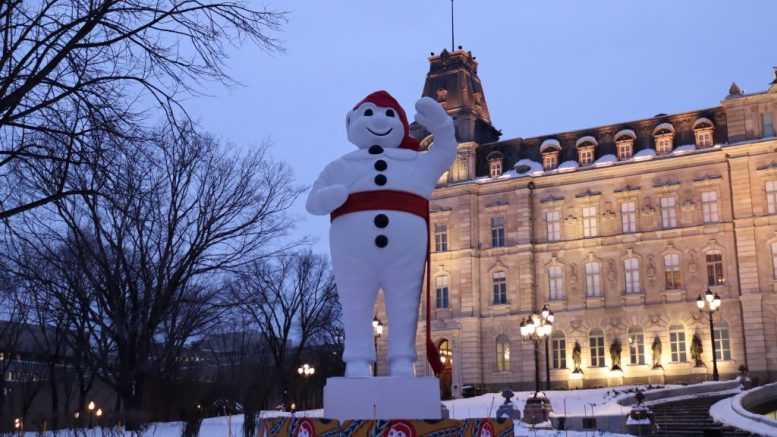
[{"x": 385, "y": 100}]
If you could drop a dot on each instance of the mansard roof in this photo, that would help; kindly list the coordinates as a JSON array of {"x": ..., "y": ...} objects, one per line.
[{"x": 682, "y": 124}]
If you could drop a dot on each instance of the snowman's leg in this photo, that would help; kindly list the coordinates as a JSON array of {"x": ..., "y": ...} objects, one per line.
[
  {"x": 357, "y": 287},
  {"x": 402, "y": 290}
]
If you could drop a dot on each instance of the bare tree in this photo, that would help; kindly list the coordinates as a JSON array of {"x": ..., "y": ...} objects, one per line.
[
  {"x": 70, "y": 69},
  {"x": 291, "y": 299},
  {"x": 176, "y": 212}
]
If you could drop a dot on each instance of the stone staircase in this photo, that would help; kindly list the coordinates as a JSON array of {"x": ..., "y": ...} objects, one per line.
[{"x": 690, "y": 417}]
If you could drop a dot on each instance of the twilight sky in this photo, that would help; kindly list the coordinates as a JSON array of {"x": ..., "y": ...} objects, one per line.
[{"x": 546, "y": 67}]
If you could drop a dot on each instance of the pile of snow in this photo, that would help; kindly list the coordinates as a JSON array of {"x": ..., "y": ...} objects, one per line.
[
  {"x": 528, "y": 167},
  {"x": 568, "y": 166},
  {"x": 682, "y": 150},
  {"x": 645, "y": 154},
  {"x": 606, "y": 160}
]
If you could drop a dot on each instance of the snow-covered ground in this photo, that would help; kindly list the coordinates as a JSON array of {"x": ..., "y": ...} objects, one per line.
[{"x": 570, "y": 403}]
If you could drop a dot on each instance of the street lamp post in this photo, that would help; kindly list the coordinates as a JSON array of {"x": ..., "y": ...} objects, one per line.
[
  {"x": 536, "y": 328},
  {"x": 710, "y": 304},
  {"x": 90, "y": 407},
  {"x": 306, "y": 371},
  {"x": 548, "y": 315},
  {"x": 377, "y": 331}
]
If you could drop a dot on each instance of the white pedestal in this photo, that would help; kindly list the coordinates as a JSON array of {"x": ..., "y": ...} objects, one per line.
[{"x": 382, "y": 398}]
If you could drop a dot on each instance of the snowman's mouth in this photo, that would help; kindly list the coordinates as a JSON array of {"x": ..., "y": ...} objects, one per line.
[{"x": 381, "y": 135}]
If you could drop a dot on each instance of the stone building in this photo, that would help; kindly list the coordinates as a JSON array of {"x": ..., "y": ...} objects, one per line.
[{"x": 617, "y": 228}]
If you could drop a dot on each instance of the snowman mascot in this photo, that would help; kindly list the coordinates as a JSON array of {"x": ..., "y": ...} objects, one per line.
[{"x": 377, "y": 199}]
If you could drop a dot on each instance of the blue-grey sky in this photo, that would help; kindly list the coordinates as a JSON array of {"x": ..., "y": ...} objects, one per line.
[{"x": 546, "y": 67}]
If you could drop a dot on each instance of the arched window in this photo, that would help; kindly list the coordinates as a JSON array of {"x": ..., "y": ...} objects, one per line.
[
  {"x": 441, "y": 291},
  {"x": 502, "y": 353},
  {"x": 586, "y": 150},
  {"x": 500, "y": 288},
  {"x": 596, "y": 347},
  {"x": 624, "y": 143},
  {"x": 715, "y": 268},
  {"x": 703, "y": 130},
  {"x": 558, "y": 345},
  {"x": 636, "y": 345},
  {"x": 774, "y": 259},
  {"x": 446, "y": 355},
  {"x": 722, "y": 341},
  {"x": 555, "y": 283},
  {"x": 495, "y": 160},
  {"x": 550, "y": 149},
  {"x": 672, "y": 272},
  {"x": 677, "y": 343},
  {"x": 631, "y": 270},
  {"x": 664, "y": 137},
  {"x": 593, "y": 280}
]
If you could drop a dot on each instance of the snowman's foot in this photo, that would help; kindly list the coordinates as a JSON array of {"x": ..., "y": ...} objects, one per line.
[
  {"x": 402, "y": 367},
  {"x": 358, "y": 369}
]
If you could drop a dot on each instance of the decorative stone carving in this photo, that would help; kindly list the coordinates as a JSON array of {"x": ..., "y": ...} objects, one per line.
[
  {"x": 656, "y": 348},
  {"x": 692, "y": 262},
  {"x": 696, "y": 351},
  {"x": 651, "y": 267},
  {"x": 615, "y": 354},
  {"x": 573, "y": 274},
  {"x": 577, "y": 358},
  {"x": 611, "y": 275}
]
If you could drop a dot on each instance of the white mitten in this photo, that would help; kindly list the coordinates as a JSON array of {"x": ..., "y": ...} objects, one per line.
[
  {"x": 431, "y": 115},
  {"x": 333, "y": 196}
]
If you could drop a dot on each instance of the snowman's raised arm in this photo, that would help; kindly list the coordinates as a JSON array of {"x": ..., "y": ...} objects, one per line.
[
  {"x": 328, "y": 192},
  {"x": 434, "y": 118}
]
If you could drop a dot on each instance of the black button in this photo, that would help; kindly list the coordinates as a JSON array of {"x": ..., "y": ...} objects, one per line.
[
  {"x": 380, "y": 179},
  {"x": 381, "y": 220},
  {"x": 381, "y": 241},
  {"x": 380, "y": 165},
  {"x": 375, "y": 150}
]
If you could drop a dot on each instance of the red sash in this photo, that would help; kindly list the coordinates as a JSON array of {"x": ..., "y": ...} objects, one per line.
[{"x": 413, "y": 204}]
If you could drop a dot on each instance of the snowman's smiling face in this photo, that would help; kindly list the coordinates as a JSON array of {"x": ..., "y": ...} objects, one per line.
[{"x": 370, "y": 125}]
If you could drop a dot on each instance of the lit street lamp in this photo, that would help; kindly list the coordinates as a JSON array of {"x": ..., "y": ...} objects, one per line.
[
  {"x": 306, "y": 371},
  {"x": 536, "y": 328},
  {"x": 377, "y": 330},
  {"x": 548, "y": 315},
  {"x": 710, "y": 304},
  {"x": 90, "y": 407}
]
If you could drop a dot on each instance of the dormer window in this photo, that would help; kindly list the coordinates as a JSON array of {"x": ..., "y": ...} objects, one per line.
[
  {"x": 495, "y": 160},
  {"x": 624, "y": 144},
  {"x": 664, "y": 137},
  {"x": 703, "y": 129},
  {"x": 550, "y": 150},
  {"x": 585, "y": 150}
]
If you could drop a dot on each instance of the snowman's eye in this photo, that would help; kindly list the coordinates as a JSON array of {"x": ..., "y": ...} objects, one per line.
[
  {"x": 368, "y": 112},
  {"x": 390, "y": 112}
]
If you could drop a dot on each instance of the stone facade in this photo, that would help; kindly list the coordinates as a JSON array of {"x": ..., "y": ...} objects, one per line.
[{"x": 620, "y": 232}]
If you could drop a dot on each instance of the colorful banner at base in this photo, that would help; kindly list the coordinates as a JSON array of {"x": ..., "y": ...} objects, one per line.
[{"x": 316, "y": 427}]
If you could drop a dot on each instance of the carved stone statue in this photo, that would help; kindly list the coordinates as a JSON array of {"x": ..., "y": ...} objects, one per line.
[
  {"x": 576, "y": 358},
  {"x": 696, "y": 351},
  {"x": 657, "y": 348},
  {"x": 692, "y": 263},
  {"x": 572, "y": 274},
  {"x": 615, "y": 354},
  {"x": 611, "y": 271},
  {"x": 651, "y": 267}
]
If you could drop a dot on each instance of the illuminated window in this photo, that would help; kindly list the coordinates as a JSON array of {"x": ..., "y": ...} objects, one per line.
[
  {"x": 722, "y": 341},
  {"x": 625, "y": 149},
  {"x": 495, "y": 168},
  {"x": 441, "y": 291},
  {"x": 440, "y": 237},
  {"x": 668, "y": 212},
  {"x": 703, "y": 130},
  {"x": 497, "y": 232},
  {"x": 636, "y": 345},
  {"x": 709, "y": 206},
  {"x": 553, "y": 220},
  {"x": 500, "y": 288},
  {"x": 631, "y": 269},
  {"x": 593, "y": 280},
  {"x": 715, "y": 268},
  {"x": 550, "y": 160},
  {"x": 585, "y": 156},
  {"x": 677, "y": 344},
  {"x": 672, "y": 271},
  {"x": 629, "y": 217},
  {"x": 596, "y": 347},
  {"x": 556, "y": 283},
  {"x": 502, "y": 353},
  {"x": 558, "y": 345},
  {"x": 589, "y": 222}
]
